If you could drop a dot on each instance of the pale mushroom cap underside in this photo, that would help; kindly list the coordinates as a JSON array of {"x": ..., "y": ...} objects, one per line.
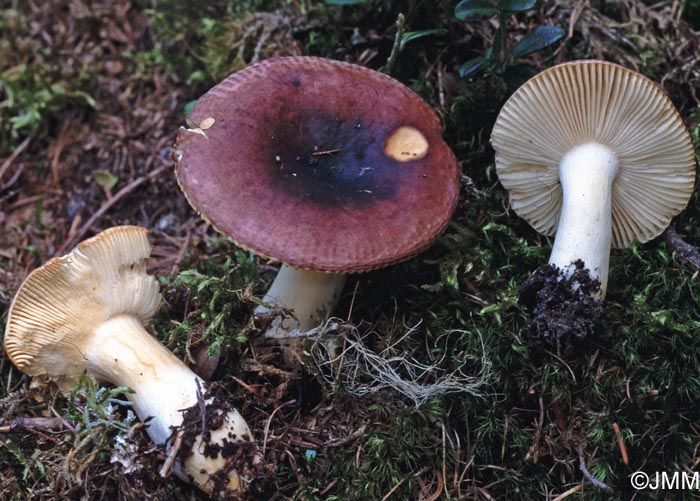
[
  {"x": 61, "y": 303},
  {"x": 594, "y": 101}
]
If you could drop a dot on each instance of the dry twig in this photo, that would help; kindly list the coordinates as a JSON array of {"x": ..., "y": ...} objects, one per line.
[
  {"x": 8, "y": 163},
  {"x": 582, "y": 466},
  {"x": 689, "y": 254},
  {"x": 621, "y": 443},
  {"x": 172, "y": 455}
]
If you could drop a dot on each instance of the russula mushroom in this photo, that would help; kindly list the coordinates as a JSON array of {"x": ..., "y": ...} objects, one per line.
[
  {"x": 597, "y": 154},
  {"x": 328, "y": 167},
  {"x": 86, "y": 311}
]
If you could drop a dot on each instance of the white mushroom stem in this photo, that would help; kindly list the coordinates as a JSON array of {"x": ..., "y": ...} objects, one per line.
[
  {"x": 123, "y": 353},
  {"x": 309, "y": 295},
  {"x": 584, "y": 232}
]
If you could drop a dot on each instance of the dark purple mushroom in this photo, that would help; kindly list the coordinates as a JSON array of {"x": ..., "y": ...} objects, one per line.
[{"x": 330, "y": 168}]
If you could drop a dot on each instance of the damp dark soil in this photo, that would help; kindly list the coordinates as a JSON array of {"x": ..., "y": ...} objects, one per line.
[
  {"x": 241, "y": 453},
  {"x": 562, "y": 310}
]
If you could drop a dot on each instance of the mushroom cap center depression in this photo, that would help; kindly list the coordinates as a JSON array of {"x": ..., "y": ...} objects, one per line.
[{"x": 335, "y": 162}]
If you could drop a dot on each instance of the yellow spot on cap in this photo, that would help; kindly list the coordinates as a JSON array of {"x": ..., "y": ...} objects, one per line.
[
  {"x": 405, "y": 144},
  {"x": 207, "y": 123}
]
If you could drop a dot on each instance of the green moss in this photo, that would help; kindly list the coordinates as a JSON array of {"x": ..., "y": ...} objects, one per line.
[
  {"x": 398, "y": 444},
  {"x": 33, "y": 90},
  {"x": 210, "y": 305}
]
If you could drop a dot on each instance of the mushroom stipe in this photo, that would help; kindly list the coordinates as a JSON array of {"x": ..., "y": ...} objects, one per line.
[{"x": 207, "y": 419}]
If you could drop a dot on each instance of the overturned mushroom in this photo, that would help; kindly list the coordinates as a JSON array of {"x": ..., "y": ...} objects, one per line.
[
  {"x": 86, "y": 312},
  {"x": 597, "y": 154},
  {"x": 330, "y": 168}
]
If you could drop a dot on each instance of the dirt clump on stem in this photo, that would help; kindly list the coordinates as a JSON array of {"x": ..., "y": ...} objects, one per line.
[{"x": 562, "y": 310}]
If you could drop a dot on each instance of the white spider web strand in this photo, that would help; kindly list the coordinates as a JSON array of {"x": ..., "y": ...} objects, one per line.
[{"x": 363, "y": 371}]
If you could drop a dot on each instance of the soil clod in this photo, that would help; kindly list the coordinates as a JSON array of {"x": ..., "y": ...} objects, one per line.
[{"x": 563, "y": 310}]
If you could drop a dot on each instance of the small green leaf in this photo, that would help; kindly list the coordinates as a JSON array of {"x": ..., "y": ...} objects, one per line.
[
  {"x": 189, "y": 106},
  {"x": 468, "y": 10},
  {"x": 28, "y": 118},
  {"x": 472, "y": 67},
  {"x": 412, "y": 35},
  {"x": 516, "y": 5},
  {"x": 197, "y": 76},
  {"x": 209, "y": 25},
  {"x": 115, "y": 392},
  {"x": 105, "y": 179},
  {"x": 538, "y": 39},
  {"x": 489, "y": 227},
  {"x": 89, "y": 100},
  {"x": 345, "y": 2}
]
